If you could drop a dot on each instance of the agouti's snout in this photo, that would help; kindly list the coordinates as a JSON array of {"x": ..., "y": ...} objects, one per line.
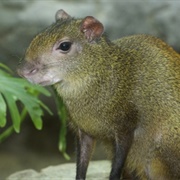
[
  {"x": 27, "y": 70},
  {"x": 37, "y": 74},
  {"x": 26, "y": 73}
]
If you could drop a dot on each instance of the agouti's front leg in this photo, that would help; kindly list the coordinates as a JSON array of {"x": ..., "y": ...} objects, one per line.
[
  {"x": 85, "y": 144},
  {"x": 121, "y": 148}
]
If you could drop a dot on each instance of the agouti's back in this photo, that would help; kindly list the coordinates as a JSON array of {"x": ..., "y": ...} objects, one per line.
[
  {"x": 156, "y": 93},
  {"x": 155, "y": 69}
]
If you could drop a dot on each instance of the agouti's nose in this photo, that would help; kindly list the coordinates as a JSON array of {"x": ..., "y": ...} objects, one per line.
[{"x": 26, "y": 70}]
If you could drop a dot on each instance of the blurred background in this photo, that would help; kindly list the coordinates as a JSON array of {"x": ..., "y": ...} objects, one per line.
[{"x": 20, "y": 20}]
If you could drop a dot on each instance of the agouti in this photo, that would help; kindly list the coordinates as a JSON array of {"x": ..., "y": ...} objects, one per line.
[{"x": 125, "y": 93}]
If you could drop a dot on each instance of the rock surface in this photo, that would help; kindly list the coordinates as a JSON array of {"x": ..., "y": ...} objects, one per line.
[{"x": 98, "y": 170}]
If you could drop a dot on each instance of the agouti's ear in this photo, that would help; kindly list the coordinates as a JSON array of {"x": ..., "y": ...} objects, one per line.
[
  {"x": 92, "y": 28},
  {"x": 61, "y": 14}
]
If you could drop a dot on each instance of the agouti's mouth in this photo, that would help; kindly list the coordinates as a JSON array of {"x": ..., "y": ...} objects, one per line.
[
  {"x": 45, "y": 83},
  {"x": 48, "y": 83}
]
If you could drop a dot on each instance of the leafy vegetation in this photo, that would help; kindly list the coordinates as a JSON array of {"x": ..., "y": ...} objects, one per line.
[{"x": 16, "y": 92}]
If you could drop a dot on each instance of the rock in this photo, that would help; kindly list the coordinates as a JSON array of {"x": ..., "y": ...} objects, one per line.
[
  {"x": 98, "y": 170},
  {"x": 22, "y": 175}
]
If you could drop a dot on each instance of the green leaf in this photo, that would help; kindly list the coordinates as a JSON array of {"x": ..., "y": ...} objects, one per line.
[
  {"x": 6, "y": 133},
  {"x": 45, "y": 107},
  {"x": 13, "y": 90},
  {"x": 62, "y": 113},
  {"x": 13, "y": 110},
  {"x": 3, "y": 109},
  {"x": 10, "y": 130},
  {"x": 6, "y": 68},
  {"x": 27, "y": 94}
]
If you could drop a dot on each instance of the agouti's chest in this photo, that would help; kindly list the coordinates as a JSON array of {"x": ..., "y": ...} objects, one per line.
[
  {"x": 91, "y": 121},
  {"x": 95, "y": 110}
]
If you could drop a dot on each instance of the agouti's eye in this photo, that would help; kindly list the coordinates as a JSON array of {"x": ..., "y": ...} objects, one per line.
[{"x": 65, "y": 46}]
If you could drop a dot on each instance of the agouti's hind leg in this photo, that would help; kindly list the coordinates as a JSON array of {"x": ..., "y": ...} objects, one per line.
[{"x": 157, "y": 170}]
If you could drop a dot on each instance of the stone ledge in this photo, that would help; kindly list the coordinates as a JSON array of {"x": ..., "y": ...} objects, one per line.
[{"x": 98, "y": 170}]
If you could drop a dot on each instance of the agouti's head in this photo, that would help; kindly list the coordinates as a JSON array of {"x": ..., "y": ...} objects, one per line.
[{"x": 60, "y": 50}]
